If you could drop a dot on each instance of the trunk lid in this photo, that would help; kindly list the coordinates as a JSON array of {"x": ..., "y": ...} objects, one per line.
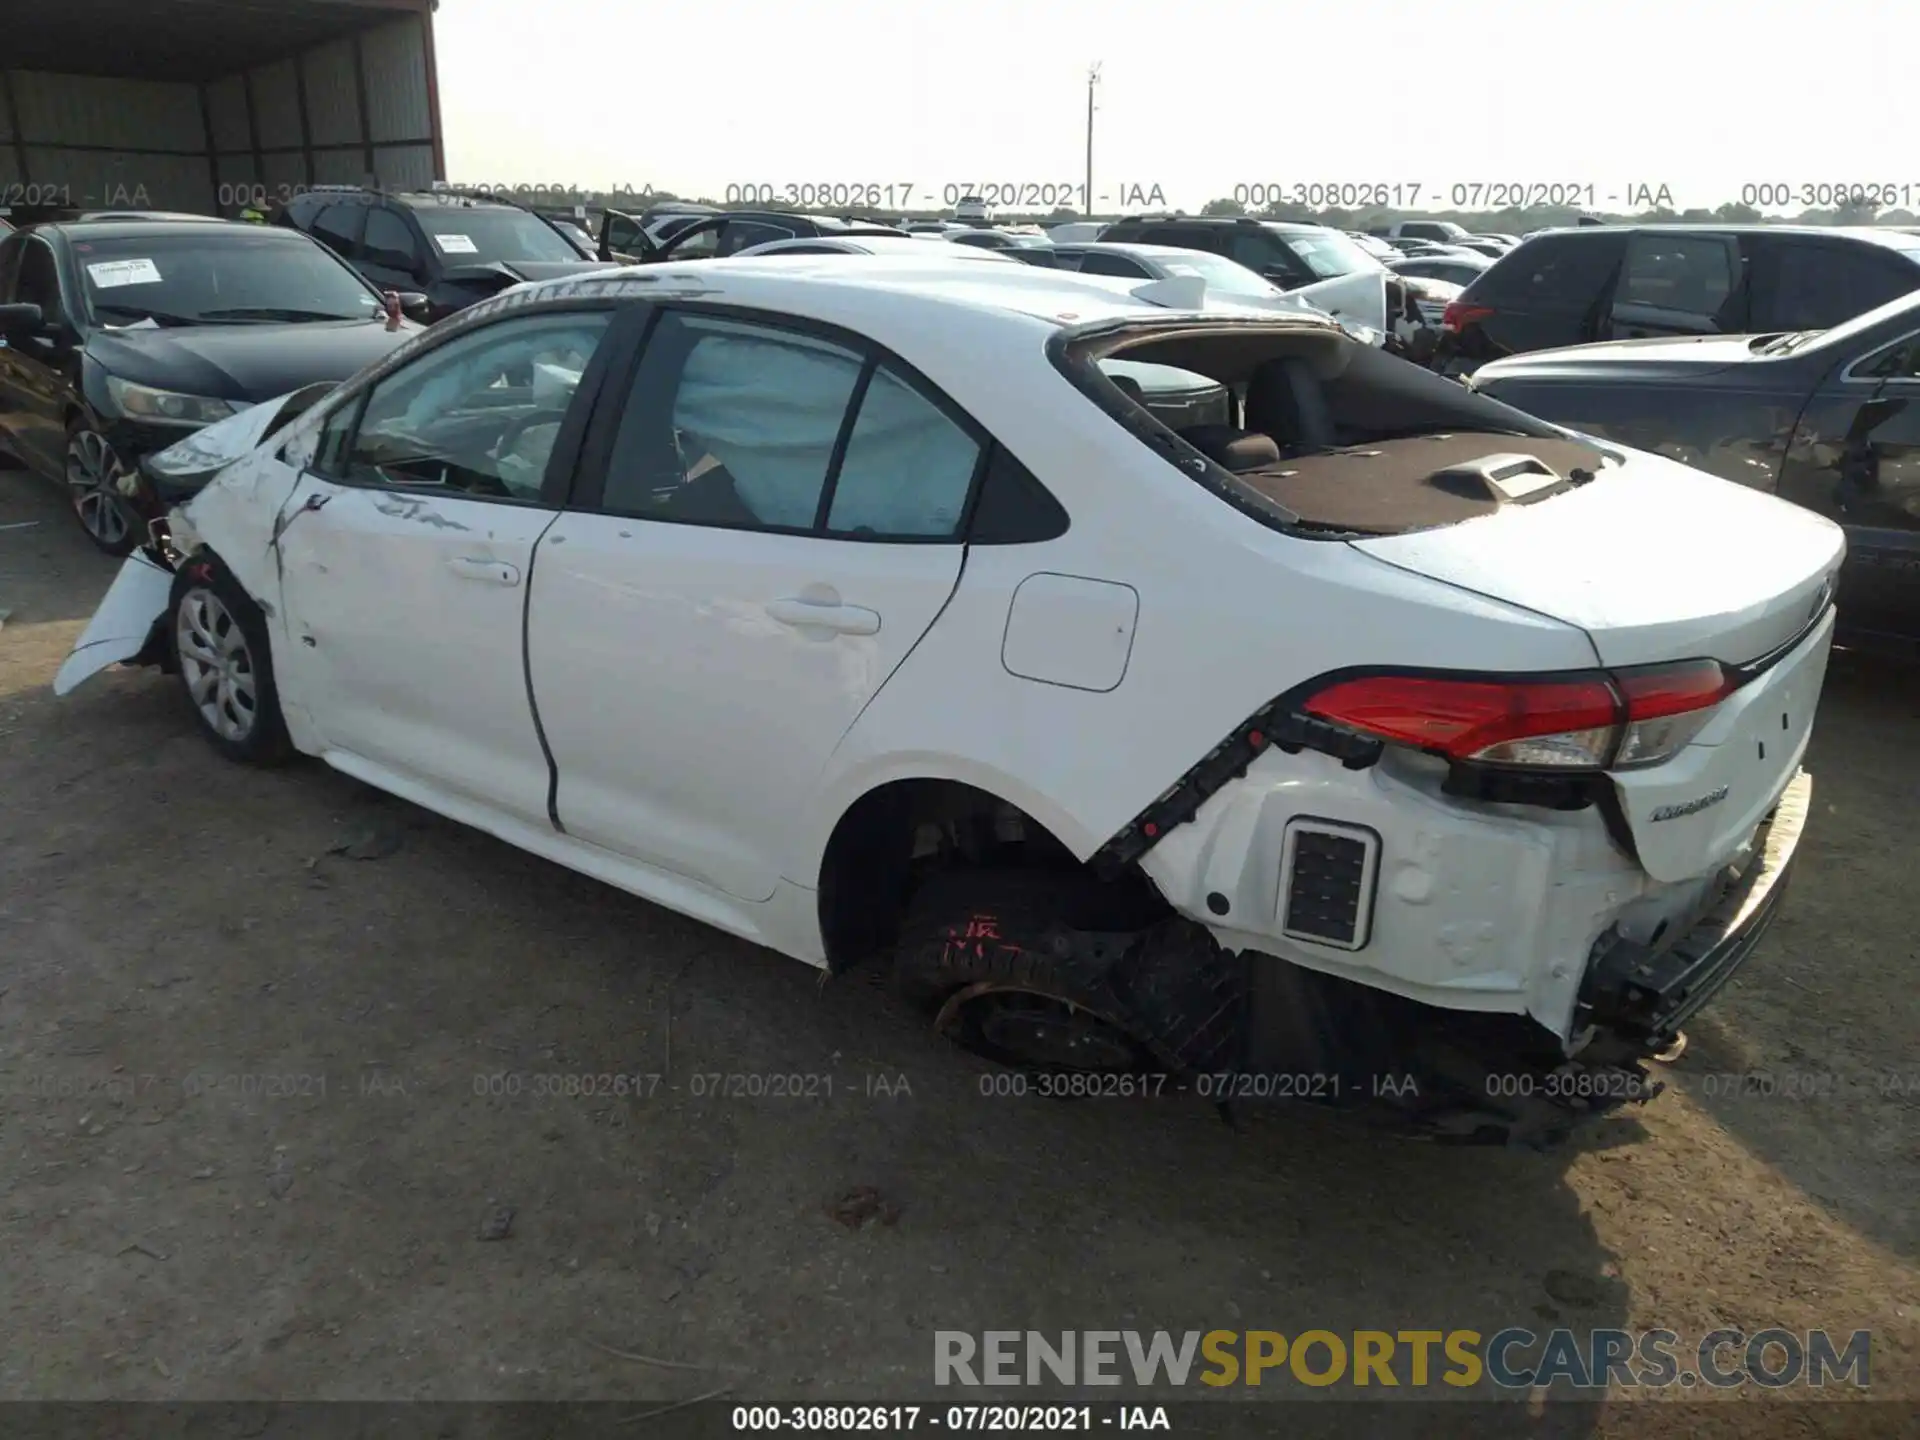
[
  {"x": 1653, "y": 559},
  {"x": 1657, "y": 562}
]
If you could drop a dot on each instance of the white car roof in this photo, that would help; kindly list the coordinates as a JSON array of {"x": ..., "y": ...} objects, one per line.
[{"x": 897, "y": 299}]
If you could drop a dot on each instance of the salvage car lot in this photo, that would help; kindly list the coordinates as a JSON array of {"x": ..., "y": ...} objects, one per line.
[{"x": 167, "y": 916}]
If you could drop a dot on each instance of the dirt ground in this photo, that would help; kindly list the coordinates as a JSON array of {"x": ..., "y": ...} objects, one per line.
[{"x": 172, "y": 1227}]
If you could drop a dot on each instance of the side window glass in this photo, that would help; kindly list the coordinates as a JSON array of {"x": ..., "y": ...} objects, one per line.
[
  {"x": 334, "y": 442},
  {"x": 908, "y": 466},
  {"x": 1815, "y": 287},
  {"x": 1899, "y": 361},
  {"x": 388, "y": 245},
  {"x": 477, "y": 417},
  {"x": 730, "y": 424},
  {"x": 1562, "y": 270},
  {"x": 1255, "y": 250},
  {"x": 1099, "y": 262},
  {"x": 337, "y": 227},
  {"x": 1692, "y": 274},
  {"x": 700, "y": 244},
  {"x": 738, "y": 235}
]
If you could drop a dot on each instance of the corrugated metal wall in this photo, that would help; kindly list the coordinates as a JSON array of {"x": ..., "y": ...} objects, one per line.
[
  {"x": 79, "y": 131},
  {"x": 279, "y": 155},
  {"x": 263, "y": 135}
]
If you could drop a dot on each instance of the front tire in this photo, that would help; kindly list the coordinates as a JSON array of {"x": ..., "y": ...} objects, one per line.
[
  {"x": 93, "y": 476},
  {"x": 219, "y": 639}
]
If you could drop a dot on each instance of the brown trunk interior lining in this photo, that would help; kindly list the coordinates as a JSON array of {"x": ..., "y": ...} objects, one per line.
[{"x": 1386, "y": 488}]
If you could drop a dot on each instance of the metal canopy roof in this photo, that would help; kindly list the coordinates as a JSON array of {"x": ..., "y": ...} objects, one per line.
[{"x": 191, "y": 40}]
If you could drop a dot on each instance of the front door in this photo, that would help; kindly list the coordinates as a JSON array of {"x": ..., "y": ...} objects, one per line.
[
  {"x": 776, "y": 525},
  {"x": 36, "y": 370},
  {"x": 1855, "y": 458},
  {"x": 406, "y": 553}
]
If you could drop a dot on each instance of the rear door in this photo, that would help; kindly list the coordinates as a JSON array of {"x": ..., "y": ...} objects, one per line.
[
  {"x": 1548, "y": 293},
  {"x": 38, "y": 372},
  {"x": 763, "y": 531},
  {"x": 1678, "y": 283}
]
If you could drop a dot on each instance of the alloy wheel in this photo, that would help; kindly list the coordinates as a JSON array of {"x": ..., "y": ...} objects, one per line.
[
  {"x": 92, "y": 475},
  {"x": 217, "y": 665}
]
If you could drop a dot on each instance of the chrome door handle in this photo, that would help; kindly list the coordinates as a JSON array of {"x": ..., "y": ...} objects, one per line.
[
  {"x": 812, "y": 615},
  {"x": 494, "y": 572}
]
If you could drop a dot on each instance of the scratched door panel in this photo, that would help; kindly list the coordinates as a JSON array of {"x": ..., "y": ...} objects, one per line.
[{"x": 404, "y": 622}]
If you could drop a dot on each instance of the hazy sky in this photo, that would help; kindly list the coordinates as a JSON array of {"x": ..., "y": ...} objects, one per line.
[{"x": 1197, "y": 96}]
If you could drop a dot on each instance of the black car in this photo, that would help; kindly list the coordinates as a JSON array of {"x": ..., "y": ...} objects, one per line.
[
  {"x": 1828, "y": 419},
  {"x": 1292, "y": 257},
  {"x": 1456, "y": 268},
  {"x": 120, "y": 338},
  {"x": 624, "y": 237},
  {"x": 1616, "y": 282},
  {"x": 456, "y": 249},
  {"x": 1289, "y": 255}
]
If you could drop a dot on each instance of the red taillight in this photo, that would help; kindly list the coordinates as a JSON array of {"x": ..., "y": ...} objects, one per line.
[
  {"x": 1667, "y": 705},
  {"x": 1459, "y": 314},
  {"x": 1589, "y": 720},
  {"x": 1659, "y": 690}
]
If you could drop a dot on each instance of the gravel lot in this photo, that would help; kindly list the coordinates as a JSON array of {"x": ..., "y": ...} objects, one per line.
[{"x": 334, "y": 1231}]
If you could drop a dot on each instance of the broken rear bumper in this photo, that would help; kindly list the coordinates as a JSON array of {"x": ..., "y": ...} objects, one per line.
[
  {"x": 1646, "y": 994},
  {"x": 1502, "y": 1078}
]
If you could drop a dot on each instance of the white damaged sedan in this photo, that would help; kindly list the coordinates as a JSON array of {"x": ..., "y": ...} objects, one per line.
[{"x": 1361, "y": 741}]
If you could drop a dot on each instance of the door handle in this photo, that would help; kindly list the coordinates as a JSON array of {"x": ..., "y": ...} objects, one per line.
[
  {"x": 494, "y": 572},
  {"x": 812, "y": 615}
]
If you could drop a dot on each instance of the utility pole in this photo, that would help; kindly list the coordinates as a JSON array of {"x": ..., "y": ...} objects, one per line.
[{"x": 1086, "y": 195}]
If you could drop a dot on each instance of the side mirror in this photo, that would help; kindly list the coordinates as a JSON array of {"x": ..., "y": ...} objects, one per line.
[
  {"x": 21, "y": 321},
  {"x": 416, "y": 306}
]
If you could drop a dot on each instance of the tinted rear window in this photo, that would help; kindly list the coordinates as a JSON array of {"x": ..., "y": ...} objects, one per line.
[
  {"x": 1811, "y": 286},
  {"x": 1553, "y": 269}
]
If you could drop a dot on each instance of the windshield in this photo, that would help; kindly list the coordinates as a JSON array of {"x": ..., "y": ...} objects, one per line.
[
  {"x": 473, "y": 235},
  {"x": 1222, "y": 275},
  {"x": 217, "y": 275},
  {"x": 1329, "y": 254}
]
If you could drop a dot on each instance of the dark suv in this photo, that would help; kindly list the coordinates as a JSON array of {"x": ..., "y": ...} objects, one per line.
[
  {"x": 1291, "y": 256},
  {"x": 1623, "y": 282},
  {"x": 455, "y": 249},
  {"x": 626, "y": 238}
]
